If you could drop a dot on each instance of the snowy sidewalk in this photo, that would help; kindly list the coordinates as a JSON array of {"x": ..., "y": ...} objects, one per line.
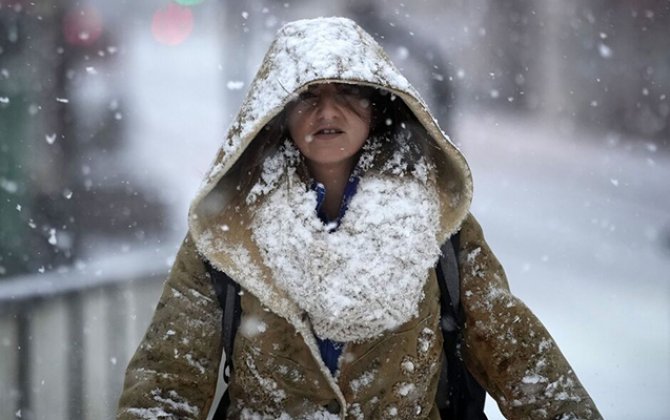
[{"x": 580, "y": 221}]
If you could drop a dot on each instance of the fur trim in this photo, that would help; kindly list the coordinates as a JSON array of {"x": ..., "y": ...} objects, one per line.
[{"x": 368, "y": 276}]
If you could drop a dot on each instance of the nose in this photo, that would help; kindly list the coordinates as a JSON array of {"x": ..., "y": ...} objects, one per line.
[{"x": 327, "y": 106}]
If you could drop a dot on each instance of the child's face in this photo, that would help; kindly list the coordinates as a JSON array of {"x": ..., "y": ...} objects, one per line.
[{"x": 330, "y": 122}]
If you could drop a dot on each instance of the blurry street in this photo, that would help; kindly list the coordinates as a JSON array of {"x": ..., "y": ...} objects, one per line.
[{"x": 581, "y": 223}]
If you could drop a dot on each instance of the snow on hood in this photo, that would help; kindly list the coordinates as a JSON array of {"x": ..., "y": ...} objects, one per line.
[
  {"x": 332, "y": 49},
  {"x": 305, "y": 52}
]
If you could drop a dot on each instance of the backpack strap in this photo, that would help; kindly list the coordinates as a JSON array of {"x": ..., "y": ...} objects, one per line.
[
  {"x": 228, "y": 294},
  {"x": 448, "y": 265},
  {"x": 465, "y": 398}
]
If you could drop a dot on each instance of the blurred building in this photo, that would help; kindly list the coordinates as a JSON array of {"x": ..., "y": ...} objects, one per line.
[
  {"x": 62, "y": 127},
  {"x": 600, "y": 63}
]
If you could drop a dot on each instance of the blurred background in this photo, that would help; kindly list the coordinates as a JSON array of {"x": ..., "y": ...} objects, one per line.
[{"x": 111, "y": 112}]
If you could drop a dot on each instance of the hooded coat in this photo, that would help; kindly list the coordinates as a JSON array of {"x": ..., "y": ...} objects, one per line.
[{"x": 389, "y": 371}]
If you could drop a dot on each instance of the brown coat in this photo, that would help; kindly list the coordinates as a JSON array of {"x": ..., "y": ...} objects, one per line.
[
  {"x": 506, "y": 348},
  {"x": 278, "y": 369}
]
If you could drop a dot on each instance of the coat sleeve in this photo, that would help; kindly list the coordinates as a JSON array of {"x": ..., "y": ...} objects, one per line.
[
  {"x": 507, "y": 349},
  {"x": 174, "y": 371}
]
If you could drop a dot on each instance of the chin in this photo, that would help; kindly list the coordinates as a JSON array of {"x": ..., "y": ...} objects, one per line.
[{"x": 329, "y": 160}]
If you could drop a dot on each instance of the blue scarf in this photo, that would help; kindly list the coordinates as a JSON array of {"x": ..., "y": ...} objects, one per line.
[{"x": 332, "y": 350}]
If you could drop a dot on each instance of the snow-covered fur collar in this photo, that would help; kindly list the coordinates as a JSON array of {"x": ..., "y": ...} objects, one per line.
[{"x": 366, "y": 277}]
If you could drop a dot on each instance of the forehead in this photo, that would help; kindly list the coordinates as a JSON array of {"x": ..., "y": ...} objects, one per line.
[
  {"x": 334, "y": 87},
  {"x": 321, "y": 86}
]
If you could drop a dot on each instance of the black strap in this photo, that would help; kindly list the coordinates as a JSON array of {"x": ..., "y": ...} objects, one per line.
[
  {"x": 228, "y": 293},
  {"x": 449, "y": 267},
  {"x": 459, "y": 395}
]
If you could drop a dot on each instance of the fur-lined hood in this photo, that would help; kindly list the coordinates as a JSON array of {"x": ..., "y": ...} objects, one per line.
[{"x": 306, "y": 52}]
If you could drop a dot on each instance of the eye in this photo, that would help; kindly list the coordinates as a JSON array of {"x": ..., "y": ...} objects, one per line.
[{"x": 307, "y": 99}]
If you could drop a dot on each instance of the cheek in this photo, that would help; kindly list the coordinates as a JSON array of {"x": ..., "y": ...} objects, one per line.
[
  {"x": 364, "y": 122},
  {"x": 366, "y": 116},
  {"x": 295, "y": 125},
  {"x": 291, "y": 122},
  {"x": 291, "y": 130}
]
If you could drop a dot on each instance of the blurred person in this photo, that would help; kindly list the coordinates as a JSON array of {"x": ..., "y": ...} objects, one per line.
[{"x": 320, "y": 232}]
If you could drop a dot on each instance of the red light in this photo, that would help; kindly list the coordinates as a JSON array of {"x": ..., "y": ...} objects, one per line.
[
  {"x": 171, "y": 25},
  {"x": 189, "y": 2},
  {"x": 82, "y": 26}
]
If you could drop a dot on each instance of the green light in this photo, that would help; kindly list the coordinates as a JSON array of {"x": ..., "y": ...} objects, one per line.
[{"x": 189, "y": 2}]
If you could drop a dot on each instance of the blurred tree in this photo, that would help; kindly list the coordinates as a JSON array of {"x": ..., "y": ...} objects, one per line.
[
  {"x": 24, "y": 242},
  {"x": 61, "y": 125},
  {"x": 601, "y": 63},
  {"x": 621, "y": 72},
  {"x": 419, "y": 56},
  {"x": 513, "y": 29}
]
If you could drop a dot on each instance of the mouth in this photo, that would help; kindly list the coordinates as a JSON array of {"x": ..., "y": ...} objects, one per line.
[{"x": 327, "y": 132}]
